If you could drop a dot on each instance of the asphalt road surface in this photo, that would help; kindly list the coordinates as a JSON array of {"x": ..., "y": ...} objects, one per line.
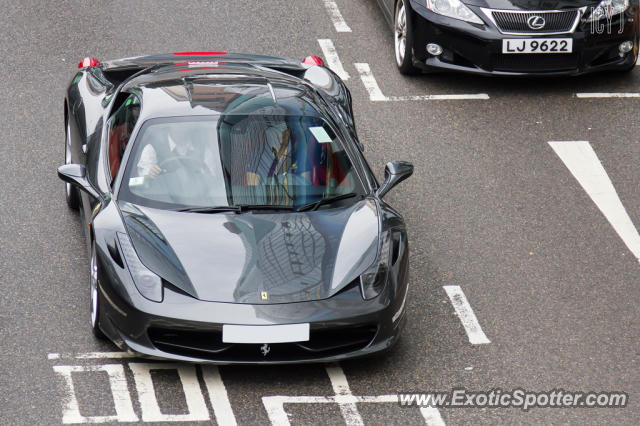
[{"x": 524, "y": 256}]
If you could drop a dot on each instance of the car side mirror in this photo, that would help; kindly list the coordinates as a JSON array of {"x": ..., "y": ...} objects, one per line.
[
  {"x": 75, "y": 174},
  {"x": 394, "y": 173}
]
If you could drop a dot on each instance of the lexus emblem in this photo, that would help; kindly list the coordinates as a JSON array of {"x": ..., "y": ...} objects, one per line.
[
  {"x": 536, "y": 22},
  {"x": 265, "y": 349}
]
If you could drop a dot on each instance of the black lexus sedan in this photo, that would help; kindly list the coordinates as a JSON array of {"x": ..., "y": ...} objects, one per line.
[
  {"x": 514, "y": 37},
  {"x": 229, "y": 213}
]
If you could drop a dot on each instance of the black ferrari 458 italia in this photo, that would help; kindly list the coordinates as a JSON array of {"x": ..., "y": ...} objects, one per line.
[
  {"x": 229, "y": 213},
  {"x": 514, "y": 37}
]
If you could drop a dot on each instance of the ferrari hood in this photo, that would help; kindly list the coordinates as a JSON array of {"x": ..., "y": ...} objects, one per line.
[{"x": 256, "y": 257}]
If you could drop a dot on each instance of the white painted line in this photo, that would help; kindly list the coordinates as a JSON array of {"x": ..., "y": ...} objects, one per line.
[
  {"x": 376, "y": 95},
  {"x": 218, "y": 396},
  {"x": 331, "y": 55},
  {"x": 119, "y": 391},
  {"x": 348, "y": 402},
  {"x": 432, "y": 416},
  {"x": 466, "y": 315},
  {"x": 583, "y": 163},
  {"x": 608, "y": 95},
  {"x": 336, "y": 17},
  {"x": 92, "y": 355},
  {"x": 274, "y": 406},
  {"x": 147, "y": 396}
]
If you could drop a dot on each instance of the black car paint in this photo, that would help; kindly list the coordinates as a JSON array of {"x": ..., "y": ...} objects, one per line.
[
  {"x": 476, "y": 47},
  {"x": 125, "y": 315}
]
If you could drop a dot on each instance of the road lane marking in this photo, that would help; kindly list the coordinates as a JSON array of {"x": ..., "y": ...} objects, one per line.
[
  {"x": 218, "y": 396},
  {"x": 274, "y": 405},
  {"x": 92, "y": 355},
  {"x": 608, "y": 95},
  {"x": 341, "y": 388},
  {"x": 119, "y": 392},
  {"x": 336, "y": 17},
  {"x": 584, "y": 165},
  {"x": 432, "y": 416},
  {"x": 376, "y": 95},
  {"x": 147, "y": 395},
  {"x": 333, "y": 60},
  {"x": 466, "y": 315}
]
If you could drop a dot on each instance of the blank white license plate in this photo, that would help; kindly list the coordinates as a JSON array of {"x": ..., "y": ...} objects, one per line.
[
  {"x": 537, "y": 45},
  {"x": 265, "y": 333}
]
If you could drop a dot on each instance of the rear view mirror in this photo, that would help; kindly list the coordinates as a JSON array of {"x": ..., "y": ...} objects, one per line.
[
  {"x": 394, "y": 173},
  {"x": 75, "y": 174}
]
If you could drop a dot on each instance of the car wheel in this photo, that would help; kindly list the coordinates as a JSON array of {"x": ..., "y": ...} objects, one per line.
[
  {"x": 94, "y": 294},
  {"x": 71, "y": 194},
  {"x": 403, "y": 39}
]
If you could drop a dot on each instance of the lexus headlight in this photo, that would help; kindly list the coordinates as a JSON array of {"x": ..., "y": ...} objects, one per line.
[
  {"x": 147, "y": 283},
  {"x": 453, "y": 9},
  {"x": 373, "y": 280},
  {"x": 608, "y": 8}
]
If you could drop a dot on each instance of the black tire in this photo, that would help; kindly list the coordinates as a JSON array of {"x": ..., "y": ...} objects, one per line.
[
  {"x": 403, "y": 38},
  {"x": 71, "y": 194},
  {"x": 94, "y": 294}
]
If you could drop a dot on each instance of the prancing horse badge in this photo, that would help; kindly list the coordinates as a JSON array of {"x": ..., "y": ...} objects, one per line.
[{"x": 265, "y": 295}]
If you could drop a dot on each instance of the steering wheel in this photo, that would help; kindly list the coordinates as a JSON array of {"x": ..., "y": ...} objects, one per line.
[{"x": 197, "y": 163}]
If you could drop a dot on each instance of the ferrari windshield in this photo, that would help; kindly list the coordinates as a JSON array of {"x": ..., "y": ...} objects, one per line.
[{"x": 232, "y": 160}]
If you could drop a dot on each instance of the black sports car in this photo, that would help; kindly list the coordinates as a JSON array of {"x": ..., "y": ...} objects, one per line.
[
  {"x": 230, "y": 215},
  {"x": 514, "y": 37}
]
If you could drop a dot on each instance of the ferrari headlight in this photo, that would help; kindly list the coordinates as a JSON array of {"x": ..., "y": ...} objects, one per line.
[
  {"x": 373, "y": 280},
  {"x": 608, "y": 8},
  {"x": 147, "y": 283},
  {"x": 453, "y": 9}
]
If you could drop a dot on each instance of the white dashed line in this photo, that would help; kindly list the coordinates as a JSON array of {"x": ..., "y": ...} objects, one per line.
[
  {"x": 147, "y": 393},
  {"x": 466, "y": 315},
  {"x": 432, "y": 416},
  {"x": 607, "y": 95},
  {"x": 331, "y": 55},
  {"x": 336, "y": 17},
  {"x": 376, "y": 95},
  {"x": 92, "y": 355},
  {"x": 583, "y": 163},
  {"x": 120, "y": 392}
]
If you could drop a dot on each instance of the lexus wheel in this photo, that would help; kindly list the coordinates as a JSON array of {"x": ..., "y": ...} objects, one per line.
[{"x": 403, "y": 39}]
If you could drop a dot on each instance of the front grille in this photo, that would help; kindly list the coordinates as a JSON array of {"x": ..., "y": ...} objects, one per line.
[
  {"x": 536, "y": 62},
  {"x": 208, "y": 344},
  {"x": 516, "y": 22}
]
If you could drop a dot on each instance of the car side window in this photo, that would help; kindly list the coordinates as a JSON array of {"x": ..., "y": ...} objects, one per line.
[{"x": 120, "y": 127}]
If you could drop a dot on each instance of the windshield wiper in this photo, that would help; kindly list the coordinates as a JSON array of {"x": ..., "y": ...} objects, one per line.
[
  {"x": 215, "y": 209},
  {"x": 239, "y": 208},
  {"x": 314, "y": 206}
]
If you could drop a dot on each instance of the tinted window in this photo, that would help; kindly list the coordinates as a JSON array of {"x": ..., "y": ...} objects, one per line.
[
  {"x": 120, "y": 127},
  {"x": 237, "y": 159}
]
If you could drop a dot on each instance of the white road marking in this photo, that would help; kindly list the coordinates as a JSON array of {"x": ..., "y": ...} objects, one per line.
[
  {"x": 119, "y": 391},
  {"x": 466, "y": 315},
  {"x": 274, "y": 405},
  {"x": 336, "y": 17},
  {"x": 376, "y": 95},
  {"x": 583, "y": 163},
  {"x": 147, "y": 396},
  {"x": 218, "y": 396},
  {"x": 347, "y": 401},
  {"x": 608, "y": 95},
  {"x": 331, "y": 55},
  {"x": 92, "y": 355},
  {"x": 432, "y": 416}
]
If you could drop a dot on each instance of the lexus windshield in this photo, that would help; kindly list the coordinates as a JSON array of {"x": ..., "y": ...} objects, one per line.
[{"x": 231, "y": 160}]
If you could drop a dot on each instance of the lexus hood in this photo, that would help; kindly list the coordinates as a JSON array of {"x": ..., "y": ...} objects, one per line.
[{"x": 256, "y": 257}]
